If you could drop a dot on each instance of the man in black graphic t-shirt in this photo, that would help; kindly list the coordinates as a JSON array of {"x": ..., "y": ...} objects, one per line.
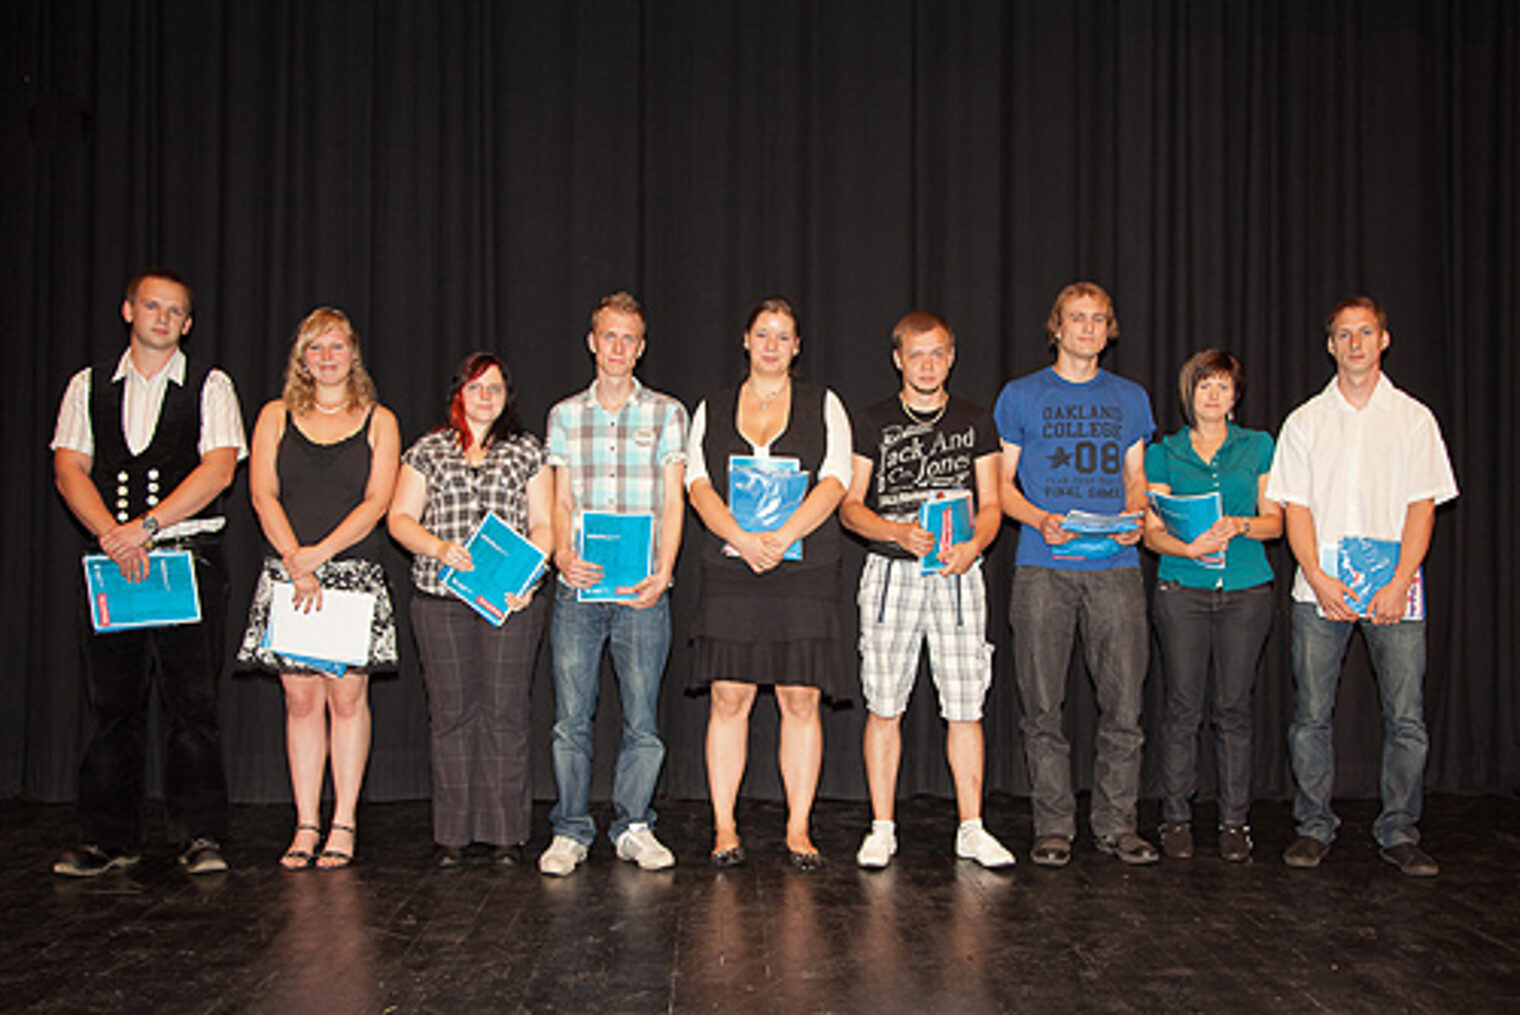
[{"x": 918, "y": 446}]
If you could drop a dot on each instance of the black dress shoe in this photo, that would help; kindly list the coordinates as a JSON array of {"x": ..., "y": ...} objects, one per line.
[
  {"x": 507, "y": 856},
  {"x": 733, "y": 856},
  {"x": 448, "y": 857},
  {"x": 808, "y": 863}
]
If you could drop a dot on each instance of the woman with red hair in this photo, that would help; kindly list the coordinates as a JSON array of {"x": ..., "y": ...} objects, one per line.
[{"x": 477, "y": 676}]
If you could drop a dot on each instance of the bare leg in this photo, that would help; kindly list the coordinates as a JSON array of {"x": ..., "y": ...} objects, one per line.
[
  {"x": 727, "y": 754},
  {"x": 963, "y": 749},
  {"x": 800, "y": 754},
  {"x": 348, "y": 704},
  {"x": 883, "y": 754},
  {"x": 305, "y": 752}
]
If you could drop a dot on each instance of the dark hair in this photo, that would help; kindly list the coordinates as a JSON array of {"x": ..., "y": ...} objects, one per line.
[
  {"x": 773, "y": 305},
  {"x": 1356, "y": 302},
  {"x": 168, "y": 276},
  {"x": 504, "y": 426},
  {"x": 919, "y": 322},
  {"x": 1203, "y": 364}
]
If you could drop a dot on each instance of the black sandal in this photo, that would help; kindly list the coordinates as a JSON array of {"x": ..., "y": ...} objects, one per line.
[
  {"x": 344, "y": 859},
  {"x": 304, "y": 858}
]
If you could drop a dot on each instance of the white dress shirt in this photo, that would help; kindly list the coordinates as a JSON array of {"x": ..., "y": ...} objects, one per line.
[{"x": 1358, "y": 470}]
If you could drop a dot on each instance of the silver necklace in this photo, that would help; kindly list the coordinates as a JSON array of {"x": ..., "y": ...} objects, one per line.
[{"x": 913, "y": 415}]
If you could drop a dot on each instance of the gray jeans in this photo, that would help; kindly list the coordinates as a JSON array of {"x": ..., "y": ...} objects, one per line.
[{"x": 1046, "y": 609}]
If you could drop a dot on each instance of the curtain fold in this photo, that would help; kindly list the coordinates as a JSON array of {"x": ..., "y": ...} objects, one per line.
[{"x": 472, "y": 174}]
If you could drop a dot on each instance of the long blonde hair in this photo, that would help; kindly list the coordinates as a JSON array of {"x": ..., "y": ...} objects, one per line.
[{"x": 300, "y": 387}]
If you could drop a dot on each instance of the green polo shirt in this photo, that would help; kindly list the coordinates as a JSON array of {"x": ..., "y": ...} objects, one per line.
[{"x": 1243, "y": 458}]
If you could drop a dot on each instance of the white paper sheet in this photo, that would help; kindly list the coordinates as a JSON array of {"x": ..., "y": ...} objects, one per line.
[{"x": 339, "y": 631}]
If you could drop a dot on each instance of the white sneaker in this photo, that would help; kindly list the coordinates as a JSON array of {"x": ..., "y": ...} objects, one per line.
[
  {"x": 639, "y": 845},
  {"x": 879, "y": 846},
  {"x": 973, "y": 842},
  {"x": 562, "y": 857}
]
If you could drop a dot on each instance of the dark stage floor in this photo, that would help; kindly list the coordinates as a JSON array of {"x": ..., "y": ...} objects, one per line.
[{"x": 929, "y": 934}]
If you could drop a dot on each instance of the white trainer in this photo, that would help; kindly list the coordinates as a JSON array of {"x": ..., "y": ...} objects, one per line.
[
  {"x": 562, "y": 857},
  {"x": 638, "y": 844},
  {"x": 879, "y": 847},
  {"x": 973, "y": 842}
]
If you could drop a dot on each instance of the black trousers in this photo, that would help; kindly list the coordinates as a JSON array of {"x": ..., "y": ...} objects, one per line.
[{"x": 120, "y": 668}]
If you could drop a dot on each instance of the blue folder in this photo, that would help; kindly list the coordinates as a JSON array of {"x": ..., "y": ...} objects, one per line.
[
  {"x": 504, "y": 562},
  {"x": 167, "y": 595},
  {"x": 948, "y": 520},
  {"x": 764, "y": 492},
  {"x": 1189, "y": 516},
  {"x": 622, "y": 545}
]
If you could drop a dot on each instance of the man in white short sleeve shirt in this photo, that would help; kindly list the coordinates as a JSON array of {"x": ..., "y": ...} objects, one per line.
[{"x": 1359, "y": 460}]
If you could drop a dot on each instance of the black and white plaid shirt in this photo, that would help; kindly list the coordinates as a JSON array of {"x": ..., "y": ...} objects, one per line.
[{"x": 459, "y": 495}]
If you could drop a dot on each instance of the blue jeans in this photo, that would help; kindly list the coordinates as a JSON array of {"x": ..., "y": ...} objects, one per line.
[
  {"x": 1046, "y": 608},
  {"x": 640, "y": 642},
  {"x": 1398, "y": 657}
]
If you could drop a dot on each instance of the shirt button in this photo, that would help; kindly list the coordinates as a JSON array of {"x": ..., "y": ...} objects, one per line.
[
  {"x": 121, "y": 516},
  {"x": 152, "y": 473},
  {"x": 122, "y": 477}
]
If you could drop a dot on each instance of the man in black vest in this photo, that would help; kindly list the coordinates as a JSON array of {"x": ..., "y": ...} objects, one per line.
[{"x": 143, "y": 449}]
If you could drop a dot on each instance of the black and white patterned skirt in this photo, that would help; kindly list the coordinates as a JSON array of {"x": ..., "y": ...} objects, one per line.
[{"x": 345, "y": 575}]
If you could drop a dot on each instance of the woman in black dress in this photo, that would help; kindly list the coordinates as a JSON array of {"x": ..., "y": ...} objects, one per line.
[
  {"x": 762, "y": 619},
  {"x": 321, "y": 473}
]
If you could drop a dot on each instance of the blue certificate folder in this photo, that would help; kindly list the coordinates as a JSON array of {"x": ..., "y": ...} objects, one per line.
[
  {"x": 948, "y": 520},
  {"x": 1092, "y": 541},
  {"x": 168, "y": 595},
  {"x": 763, "y": 493},
  {"x": 1190, "y": 516},
  {"x": 1366, "y": 565},
  {"x": 622, "y": 546},
  {"x": 504, "y": 562}
]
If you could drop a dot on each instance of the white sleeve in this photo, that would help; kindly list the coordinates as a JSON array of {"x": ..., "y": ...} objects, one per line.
[
  {"x": 221, "y": 416},
  {"x": 1288, "y": 482},
  {"x": 696, "y": 461},
  {"x": 838, "y": 447},
  {"x": 1430, "y": 464},
  {"x": 73, "y": 429}
]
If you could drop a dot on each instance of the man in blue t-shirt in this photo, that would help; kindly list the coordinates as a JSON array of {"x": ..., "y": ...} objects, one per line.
[{"x": 1074, "y": 439}]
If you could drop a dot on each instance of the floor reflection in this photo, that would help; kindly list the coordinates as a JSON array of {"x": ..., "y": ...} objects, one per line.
[{"x": 324, "y": 955}]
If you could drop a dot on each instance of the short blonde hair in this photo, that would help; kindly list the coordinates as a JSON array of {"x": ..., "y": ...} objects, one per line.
[{"x": 300, "y": 393}]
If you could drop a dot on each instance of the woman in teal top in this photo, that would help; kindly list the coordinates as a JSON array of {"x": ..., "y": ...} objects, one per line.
[{"x": 1213, "y": 597}]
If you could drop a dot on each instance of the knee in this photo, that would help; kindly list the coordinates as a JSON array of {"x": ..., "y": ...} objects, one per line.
[
  {"x": 303, "y": 698},
  {"x": 731, "y": 704},
  {"x": 798, "y": 704}
]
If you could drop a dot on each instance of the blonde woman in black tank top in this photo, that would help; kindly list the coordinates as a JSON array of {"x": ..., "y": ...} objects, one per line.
[{"x": 321, "y": 474}]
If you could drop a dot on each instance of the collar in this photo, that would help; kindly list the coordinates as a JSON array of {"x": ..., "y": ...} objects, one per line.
[
  {"x": 175, "y": 370},
  {"x": 636, "y": 395},
  {"x": 1180, "y": 442},
  {"x": 1382, "y": 399}
]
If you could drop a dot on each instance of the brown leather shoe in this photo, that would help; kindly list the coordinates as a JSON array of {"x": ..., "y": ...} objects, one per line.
[
  {"x": 1305, "y": 852},
  {"x": 1177, "y": 840},
  {"x": 1235, "y": 843}
]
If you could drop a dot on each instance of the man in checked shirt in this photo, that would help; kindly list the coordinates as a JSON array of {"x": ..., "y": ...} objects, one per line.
[{"x": 617, "y": 447}]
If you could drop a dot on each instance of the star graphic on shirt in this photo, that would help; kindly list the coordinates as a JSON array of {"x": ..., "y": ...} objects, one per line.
[{"x": 1059, "y": 458}]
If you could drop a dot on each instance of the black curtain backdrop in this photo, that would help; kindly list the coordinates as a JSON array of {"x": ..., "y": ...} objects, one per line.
[{"x": 476, "y": 174}]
